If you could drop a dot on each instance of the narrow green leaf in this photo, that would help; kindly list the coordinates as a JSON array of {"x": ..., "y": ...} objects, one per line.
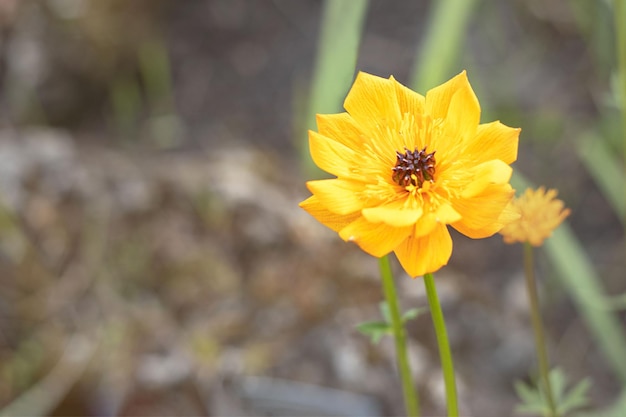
[
  {"x": 526, "y": 393},
  {"x": 558, "y": 383},
  {"x": 604, "y": 166},
  {"x": 443, "y": 43},
  {"x": 155, "y": 71},
  {"x": 125, "y": 97},
  {"x": 582, "y": 282},
  {"x": 338, "y": 46},
  {"x": 538, "y": 409},
  {"x": 576, "y": 397},
  {"x": 384, "y": 311},
  {"x": 412, "y": 313},
  {"x": 375, "y": 330}
]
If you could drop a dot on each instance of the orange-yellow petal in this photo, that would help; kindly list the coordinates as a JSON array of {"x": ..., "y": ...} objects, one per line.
[
  {"x": 329, "y": 219},
  {"x": 342, "y": 128},
  {"x": 491, "y": 172},
  {"x": 372, "y": 101},
  {"x": 446, "y": 214},
  {"x": 339, "y": 196},
  {"x": 464, "y": 112},
  {"x": 494, "y": 141},
  {"x": 377, "y": 239},
  {"x": 425, "y": 225},
  {"x": 394, "y": 214},
  {"x": 330, "y": 155},
  {"x": 419, "y": 255},
  {"x": 508, "y": 215},
  {"x": 439, "y": 99},
  {"x": 409, "y": 101},
  {"x": 481, "y": 213}
]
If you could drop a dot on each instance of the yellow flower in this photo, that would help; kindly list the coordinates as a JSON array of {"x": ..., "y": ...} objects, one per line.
[
  {"x": 407, "y": 166},
  {"x": 541, "y": 213}
]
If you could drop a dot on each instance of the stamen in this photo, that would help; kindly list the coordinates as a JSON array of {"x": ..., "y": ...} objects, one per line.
[{"x": 414, "y": 167}]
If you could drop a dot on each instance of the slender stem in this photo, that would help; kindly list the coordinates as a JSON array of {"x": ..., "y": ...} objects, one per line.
[
  {"x": 408, "y": 388},
  {"x": 540, "y": 341},
  {"x": 444, "y": 346}
]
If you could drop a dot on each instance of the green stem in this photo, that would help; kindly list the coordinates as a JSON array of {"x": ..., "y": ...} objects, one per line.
[
  {"x": 540, "y": 341},
  {"x": 408, "y": 388},
  {"x": 444, "y": 346}
]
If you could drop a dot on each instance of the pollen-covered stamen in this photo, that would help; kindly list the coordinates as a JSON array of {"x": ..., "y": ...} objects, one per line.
[{"x": 414, "y": 167}]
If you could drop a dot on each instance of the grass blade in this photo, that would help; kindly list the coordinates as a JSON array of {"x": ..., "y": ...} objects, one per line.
[
  {"x": 340, "y": 36},
  {"x": 604, "y": 167},
  {"x": 442, "y": 43}
]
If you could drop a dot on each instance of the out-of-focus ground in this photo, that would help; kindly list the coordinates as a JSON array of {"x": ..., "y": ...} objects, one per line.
[{"x": 153, "y": 260}]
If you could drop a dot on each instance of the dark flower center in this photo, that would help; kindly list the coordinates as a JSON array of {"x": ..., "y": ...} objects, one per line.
[{"x": 414, "y": 167}]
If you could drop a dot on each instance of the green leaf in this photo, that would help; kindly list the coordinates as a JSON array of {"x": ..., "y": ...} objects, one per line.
[
  {"x": 558, "y": 383},
  {"x": 584, "y": 285},
  {"x": 375, "y": 330},
  {"x": 534, "y": 399},
  {"x": 443, "y": 43},
  {"x": 338, "y": 47},
  {"x": 384, "y": 311},
  {"x": 539, "y": 409},
  {"x": 526, "y": 393},
  {"x": 412, "y": 313},
  {"x": 604, "y": 166},
  {"x": 576, "y": 398}
]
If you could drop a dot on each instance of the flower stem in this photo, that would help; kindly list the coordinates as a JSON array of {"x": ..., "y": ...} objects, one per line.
[
  {"x": 408, "y": 388},
  {"x": 540, "y": 341},
  {"x": 444, "y": 346}
]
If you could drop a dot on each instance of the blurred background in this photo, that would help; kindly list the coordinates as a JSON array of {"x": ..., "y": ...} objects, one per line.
[{"x": 154, "y": 261}]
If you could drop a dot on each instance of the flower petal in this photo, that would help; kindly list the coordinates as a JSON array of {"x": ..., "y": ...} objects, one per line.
[
  {"x": 409, "y": 101},
  {"x": 464, "y": 112},
  {"x": 425, "y": 225},
  {"x": 329, "y": 219},
  {"x": 494, "y": 141},
  {"x": 372, "y": 101},
  {"x": 330, "y": 155},
  {"x": 337, "y": 195},
  {"x": 342, "y": 128},
  {"x": 392, "y": 216},
  {"x": 455, "y": 114},
  {"x": 377, "y": 239},
  {"x": 482, "y": 213},
  {"x": 419, "y": 255},
  {"x": 491, "y": 172},
  {"x": 539, "y": 214},
  {"x": 445, "y": 214},
  {"x": 439, "y": 99}
]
